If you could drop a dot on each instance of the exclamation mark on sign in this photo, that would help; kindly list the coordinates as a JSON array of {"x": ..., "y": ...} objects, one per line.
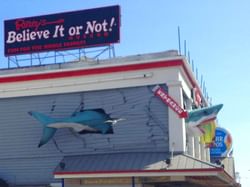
[{"x": 112, "y": 23}]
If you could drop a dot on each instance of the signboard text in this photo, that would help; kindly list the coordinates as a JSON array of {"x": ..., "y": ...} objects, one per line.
[{"x": 78, "y": 29}]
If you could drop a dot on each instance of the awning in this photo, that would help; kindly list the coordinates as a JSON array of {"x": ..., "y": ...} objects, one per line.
[{"x": 142, "y": 165}]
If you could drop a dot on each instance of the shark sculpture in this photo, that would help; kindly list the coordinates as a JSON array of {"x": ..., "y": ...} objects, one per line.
[
  {"x": 198, "y": 117},
  {"x": 86, "y": 121}
]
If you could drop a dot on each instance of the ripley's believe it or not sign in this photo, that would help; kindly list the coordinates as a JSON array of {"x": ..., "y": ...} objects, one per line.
[{"x": 92, "y": 27}]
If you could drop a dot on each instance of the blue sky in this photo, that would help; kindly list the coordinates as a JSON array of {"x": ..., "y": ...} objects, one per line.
[{"x": 217, "y": 35}]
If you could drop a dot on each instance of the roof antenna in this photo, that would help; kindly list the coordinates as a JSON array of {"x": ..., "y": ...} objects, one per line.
[
  {"x": 185, "y": 48},
  {"x": 179, "y": 39}
]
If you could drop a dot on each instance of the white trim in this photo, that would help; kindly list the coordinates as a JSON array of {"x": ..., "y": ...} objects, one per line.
[
  {"x": 136, "y": 174},
  {"x": 83, "y": 65},
  {"x": 76, "y": 84},
  {"x": 63, "y": 84}
]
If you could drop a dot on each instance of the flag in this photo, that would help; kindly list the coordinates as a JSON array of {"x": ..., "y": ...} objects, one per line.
[{"x": 199, "y": 117}]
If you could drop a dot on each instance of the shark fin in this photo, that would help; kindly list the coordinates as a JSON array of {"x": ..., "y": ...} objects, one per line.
[
  {"x": 45, "y": 120},
  {"x": 48, "y": 133}
]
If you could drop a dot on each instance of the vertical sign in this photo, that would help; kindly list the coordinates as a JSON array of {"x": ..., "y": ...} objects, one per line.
[
  {"x": 159, "y": 92},
  {"x": 197, "y": 97},
  {"x": 85, "y": 28}
]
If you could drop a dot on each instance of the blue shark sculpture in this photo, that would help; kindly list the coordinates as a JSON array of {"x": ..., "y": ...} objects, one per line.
[{"x": 86, "y": 121}]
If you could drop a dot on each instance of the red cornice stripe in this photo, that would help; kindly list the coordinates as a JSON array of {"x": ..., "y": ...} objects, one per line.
[
  {"x": 140, "y": 171},
  {"x": 95, "y": 71}
]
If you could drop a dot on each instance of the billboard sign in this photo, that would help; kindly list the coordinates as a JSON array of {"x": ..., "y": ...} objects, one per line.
[
  {"x": 78, "y": 29},
  {"x": 222, "y": 145}
]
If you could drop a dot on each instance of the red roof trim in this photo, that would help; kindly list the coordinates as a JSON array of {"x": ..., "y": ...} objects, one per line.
[
  {"x": 95, "y": 71},
  {"x": 139, "y": 171}
]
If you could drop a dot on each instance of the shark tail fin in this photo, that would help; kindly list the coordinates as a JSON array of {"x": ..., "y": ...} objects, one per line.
[
  {"x": 48, "y": 132},
  {"x": 45, "y": 120}
]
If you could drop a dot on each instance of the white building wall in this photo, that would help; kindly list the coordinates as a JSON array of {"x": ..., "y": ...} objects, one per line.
[
  {"x": 197, "y": 147},
  {"x": 88, "y": 83},
  {"x": 177, "y": 131},
  {"x": 175, "y": 77},
  {"x": 190, "y": 146}
]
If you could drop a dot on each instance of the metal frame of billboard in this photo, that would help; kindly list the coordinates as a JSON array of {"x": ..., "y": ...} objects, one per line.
[{"x": 60, "y": 57}]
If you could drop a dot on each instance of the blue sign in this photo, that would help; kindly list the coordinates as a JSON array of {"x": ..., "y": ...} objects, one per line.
[
  {"x": 222, "y": 143},
  {"x": 93, "y": 27}
]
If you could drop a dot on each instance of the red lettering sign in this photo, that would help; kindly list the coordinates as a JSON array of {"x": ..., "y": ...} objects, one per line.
[
  {"x": 169, "y": 101},
  {"x": 197, "y": 97}
]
